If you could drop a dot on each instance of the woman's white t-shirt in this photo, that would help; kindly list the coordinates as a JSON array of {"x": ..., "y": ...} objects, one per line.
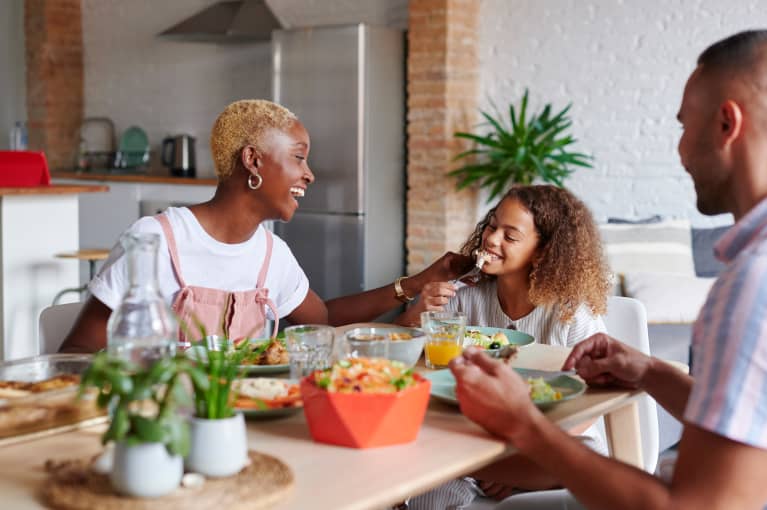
[
  {"x": 482, "y": 308},
  {"x": 206, "y": 262}
]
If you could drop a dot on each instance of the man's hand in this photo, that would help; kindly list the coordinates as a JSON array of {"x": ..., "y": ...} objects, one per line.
[
  {"x": 602, "y": 360},
  {"x": 491, "y": 394}
]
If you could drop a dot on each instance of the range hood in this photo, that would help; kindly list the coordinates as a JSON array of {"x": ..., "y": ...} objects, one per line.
[{"x": 227, "y": 22}]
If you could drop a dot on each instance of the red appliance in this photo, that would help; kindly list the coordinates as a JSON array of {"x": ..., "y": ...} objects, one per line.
[{"x": 23, "y": 169}]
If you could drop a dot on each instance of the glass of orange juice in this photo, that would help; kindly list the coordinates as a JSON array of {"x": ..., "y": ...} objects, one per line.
[{"x": 444, "y": 337}]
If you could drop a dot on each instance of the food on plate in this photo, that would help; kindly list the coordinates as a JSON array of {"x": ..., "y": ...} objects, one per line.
[
  {"x": 540, "y": 390},
  {"x": 268, "y": 352},
  {"x": 395, "y": 336},
  {"x": 17, "y": 389},
  {"x": 495, "y": 341},
  {"x": 365, "y": 375},
  {"x": 265, "y": 393}
]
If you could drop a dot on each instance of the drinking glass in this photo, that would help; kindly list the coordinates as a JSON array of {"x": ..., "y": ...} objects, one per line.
[
  {"x": 366, "y": 343},
  {"x": 444, "y": 337},
  {"x": 309, "y": 347}
]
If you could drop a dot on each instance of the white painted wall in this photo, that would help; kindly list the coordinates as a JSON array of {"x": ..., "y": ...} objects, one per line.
[
  {"x": 623, "y": 64},
  {"x": 169, "y": 87},
  {"x": 12, "y": 68},
  {"x": 165, "y": 87}
]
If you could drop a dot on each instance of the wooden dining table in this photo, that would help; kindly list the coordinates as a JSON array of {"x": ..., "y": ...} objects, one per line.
[{"x": 332, "y": 477}]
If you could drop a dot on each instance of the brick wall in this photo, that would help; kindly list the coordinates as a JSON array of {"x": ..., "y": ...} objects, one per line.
[
  {"x": 54, "y": 77},
  {"x": 442, "y": 82},
  {"x": 623, "y": 65}
]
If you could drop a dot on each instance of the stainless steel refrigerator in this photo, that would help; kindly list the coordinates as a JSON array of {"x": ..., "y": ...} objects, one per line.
[{"x": 346, "y": 84}]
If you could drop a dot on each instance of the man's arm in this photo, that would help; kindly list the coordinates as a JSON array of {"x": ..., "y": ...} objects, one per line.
[
  {"x": 603, "y": 361},
  {"x": 89, "y": 332},
  {"x": 669, "y": 386},
  {"x": 712, "y": 472}
]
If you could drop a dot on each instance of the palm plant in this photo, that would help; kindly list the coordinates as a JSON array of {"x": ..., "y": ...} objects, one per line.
[{"x": 520, "y": 151}]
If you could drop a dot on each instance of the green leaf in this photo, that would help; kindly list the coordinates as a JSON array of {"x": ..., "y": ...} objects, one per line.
[
  {"x": 119, "y": 426},
  {"x": 148, "y": 430},
  {"x": 533, "y": 147}
]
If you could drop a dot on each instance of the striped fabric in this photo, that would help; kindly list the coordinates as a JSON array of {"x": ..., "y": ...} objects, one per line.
[
  {"x": 729, "y": 395},
  {"x": 482, "y": 308},
  {"x": 655, "y": 247}
]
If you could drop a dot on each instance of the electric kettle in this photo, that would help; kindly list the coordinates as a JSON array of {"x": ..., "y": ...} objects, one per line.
[{"x": 178, "y": 155}]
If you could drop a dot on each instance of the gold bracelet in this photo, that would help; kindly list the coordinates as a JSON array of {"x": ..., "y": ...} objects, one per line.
[{"x": 399, "y": 292}]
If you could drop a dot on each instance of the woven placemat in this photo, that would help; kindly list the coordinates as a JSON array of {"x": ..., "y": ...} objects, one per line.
[{"x": 72, "y": 485}]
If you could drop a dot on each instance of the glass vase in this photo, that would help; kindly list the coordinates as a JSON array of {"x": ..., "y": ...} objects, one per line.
[{"x": 142, "y": 328}]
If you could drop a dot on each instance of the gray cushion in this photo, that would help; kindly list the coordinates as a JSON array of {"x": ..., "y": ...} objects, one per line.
[
  {"x": 626, "y": 221},
  {"x": 703, "y": 240}
]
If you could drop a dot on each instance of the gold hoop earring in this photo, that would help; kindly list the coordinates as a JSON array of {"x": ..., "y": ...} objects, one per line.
[{"x": 250, "y": 181}]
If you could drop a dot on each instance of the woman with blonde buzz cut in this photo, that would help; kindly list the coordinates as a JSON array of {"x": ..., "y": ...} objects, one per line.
[{"x": 218, "y": 264}]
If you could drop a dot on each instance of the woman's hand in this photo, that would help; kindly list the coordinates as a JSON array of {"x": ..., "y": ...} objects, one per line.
[{"x": 448, "y": 267}]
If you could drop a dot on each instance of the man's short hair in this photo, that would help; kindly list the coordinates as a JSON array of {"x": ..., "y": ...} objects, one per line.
[{"x": 738, "y": 52}]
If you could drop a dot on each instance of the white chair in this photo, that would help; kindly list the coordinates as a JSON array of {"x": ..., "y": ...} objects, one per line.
[
  {"x": 54, "y": 325},
  {"x": 626, "y": 320}
]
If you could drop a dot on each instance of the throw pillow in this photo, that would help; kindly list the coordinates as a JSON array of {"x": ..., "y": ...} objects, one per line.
[
  {"x": 669, "y": 298},
  {"x": 664, "y": 247},
  {"x": 703, "y": 241}
]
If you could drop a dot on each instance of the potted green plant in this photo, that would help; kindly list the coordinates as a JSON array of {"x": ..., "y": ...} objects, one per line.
[
  {"x": 527, "y": 148},
  {"x": 217, "y": 434},
  {"x": 150, "y": 435}
]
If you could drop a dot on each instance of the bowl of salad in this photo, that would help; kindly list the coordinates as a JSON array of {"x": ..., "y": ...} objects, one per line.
[{"x": 365, "y": 403}]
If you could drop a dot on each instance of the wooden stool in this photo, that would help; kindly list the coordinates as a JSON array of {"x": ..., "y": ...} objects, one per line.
[{"x": 91, "y": 255}]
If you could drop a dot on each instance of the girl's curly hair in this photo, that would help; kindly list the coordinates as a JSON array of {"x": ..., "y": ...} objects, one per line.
[{"x": 570, "y": 268}]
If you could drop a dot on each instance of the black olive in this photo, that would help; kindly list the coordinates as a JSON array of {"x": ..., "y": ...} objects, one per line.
[{"x": 495, "y": 345}]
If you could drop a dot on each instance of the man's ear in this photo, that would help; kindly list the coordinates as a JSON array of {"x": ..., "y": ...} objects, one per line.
[{"x": 731, "y": 121}]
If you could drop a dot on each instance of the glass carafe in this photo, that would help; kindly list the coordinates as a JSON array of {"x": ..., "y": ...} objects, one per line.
[{"x": 142, "y": 328}]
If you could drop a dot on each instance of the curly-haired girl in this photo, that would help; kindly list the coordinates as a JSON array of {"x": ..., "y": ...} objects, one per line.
[{"x": 544, "y": 273}]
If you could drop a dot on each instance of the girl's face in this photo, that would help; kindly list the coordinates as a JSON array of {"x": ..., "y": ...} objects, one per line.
[
  {"x": 284, "y": 168},
  {"x": 510, "y": 239}
]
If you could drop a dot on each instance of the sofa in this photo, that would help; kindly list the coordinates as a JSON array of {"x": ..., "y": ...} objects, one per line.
[{"x": 670, "y": 267}]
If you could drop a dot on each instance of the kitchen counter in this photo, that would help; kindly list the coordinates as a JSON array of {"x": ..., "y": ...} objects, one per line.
[
  {"x": 145, "y": 178},
  {"x": 36, "y": 223},
  {"x": 54, "y": 189}
]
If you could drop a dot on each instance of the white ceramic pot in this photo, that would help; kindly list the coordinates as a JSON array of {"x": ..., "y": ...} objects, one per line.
[
  {"x": 217, "y": 447},
  {"x": 145, "y": 470}
]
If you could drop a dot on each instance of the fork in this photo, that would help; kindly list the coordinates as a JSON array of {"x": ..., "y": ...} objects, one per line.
[{"x": 472, "y": 275}]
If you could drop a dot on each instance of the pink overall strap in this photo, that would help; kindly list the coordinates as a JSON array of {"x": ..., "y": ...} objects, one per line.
[
  {"x": 267, "y": 258},
  {"x": 165, "y": 224},
  {"x": 262, "y": 280}
]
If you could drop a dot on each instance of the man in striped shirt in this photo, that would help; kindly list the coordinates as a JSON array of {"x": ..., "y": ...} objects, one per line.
[{"x": 722, "y": 460}]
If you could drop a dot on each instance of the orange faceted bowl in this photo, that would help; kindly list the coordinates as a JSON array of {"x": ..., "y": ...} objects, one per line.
[{"x": 365, "y": 420}]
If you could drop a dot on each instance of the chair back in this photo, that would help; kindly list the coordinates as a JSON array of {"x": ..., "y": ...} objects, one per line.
[
  {"x": 626, "y": 320},
  {"x": 55, "y": 323}
]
